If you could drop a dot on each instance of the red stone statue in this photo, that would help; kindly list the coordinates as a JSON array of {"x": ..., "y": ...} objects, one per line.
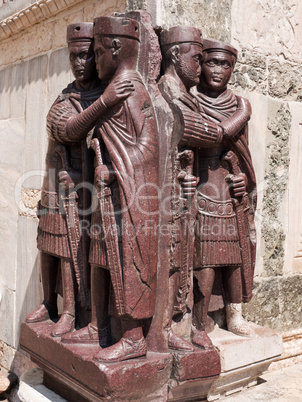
[
  {"x": 123, "y": 251},
  {"x": 225, "y": 233},
  {"x": 182, "y": 55},
  {"x": 146, "y": 213},
  {"x": 64, "y": 204}
]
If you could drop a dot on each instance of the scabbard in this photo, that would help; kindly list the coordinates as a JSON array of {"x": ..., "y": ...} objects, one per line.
[
  {"x": 112, "y": 248},
  {"x": 183, "y": 285},
  {"x": 246, "y": 270},
  {"x": 75, "y": 242}
]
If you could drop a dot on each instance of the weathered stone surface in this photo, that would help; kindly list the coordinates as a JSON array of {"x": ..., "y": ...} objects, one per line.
[
  {"x": 47, "y": 36},
  {"x": 264, "y": 307},
  {"x": 10, "y": 7},
  {"x": 276, "y": 302},
  {"x": 285, "y": 80},
  {"x": 60, "y": 24},
  {"x": 28, "y": 286},
  {"x": 212, "y": 17},
  {"x": 276, "y": 178},
  {"x": 59, "y": 74},
  {"x": 7, "y": 302},
  {"x": 293, "y": 252},
  {"x": 96, "y": 8},
  {"x": 11, "y": 136},
  {"x": 5, "y": 79},
  {"x": 14, "y": 361},
  {"x": 291, "y": 301},
  {"x": 35, "y": 131},
  {"x": 271, "y": 28},
  {"x": 243, "y": 359},
  {"x": 30, "y": 199},
  {"x": 250, "y": 72}
]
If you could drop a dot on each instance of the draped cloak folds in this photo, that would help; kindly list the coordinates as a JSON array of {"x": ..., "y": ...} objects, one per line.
[
  {"x": 52, "y": 230},
  {"x": 217, "y": 110},
  {"x": 52, "y": 235},
  {"x": 129, "y": 134}
]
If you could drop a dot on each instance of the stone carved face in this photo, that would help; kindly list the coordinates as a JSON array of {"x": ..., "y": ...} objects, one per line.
[
  {"x": 81, "y": 57},
  {"x": 216, "y": 70},
  {"x": 188, "y": 64},
  {"x": 106, "y": 57}
]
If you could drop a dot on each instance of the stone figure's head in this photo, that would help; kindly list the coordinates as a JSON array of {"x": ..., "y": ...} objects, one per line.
[
  {"x": 81, "y": 54},
  {"x": 217, "y": 67},
  {"x": 116, "y": 45},
  {"x": 182, "y": 53}
]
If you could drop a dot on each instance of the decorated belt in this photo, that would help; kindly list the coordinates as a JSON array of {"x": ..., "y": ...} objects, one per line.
[{"x": 208, "y": 206}]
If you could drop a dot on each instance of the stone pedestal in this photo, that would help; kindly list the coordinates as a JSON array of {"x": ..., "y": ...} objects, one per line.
[
  {"x": 243, "y": 359},
  {"x": 69, "y": 370},
  {"x": 193, "y": 374}
]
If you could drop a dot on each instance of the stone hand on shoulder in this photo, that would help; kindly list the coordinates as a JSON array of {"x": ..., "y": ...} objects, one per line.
[{"x": 116, "y": 92}]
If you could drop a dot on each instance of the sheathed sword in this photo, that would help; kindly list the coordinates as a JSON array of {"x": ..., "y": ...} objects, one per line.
[
  {"x": 111, "y": 240},
  {"x": 186, "y": 159},
  {"x": 242, "y": 220},
  {"x": 69, "y": 200}
]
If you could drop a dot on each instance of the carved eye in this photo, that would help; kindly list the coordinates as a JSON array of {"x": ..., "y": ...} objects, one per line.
[
  {"x": 211, "y": 63},
  {"x": 225, "y": 64}
]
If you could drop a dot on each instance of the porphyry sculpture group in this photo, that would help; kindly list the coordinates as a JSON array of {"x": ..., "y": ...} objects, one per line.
[{"x": 100, "y": 210}]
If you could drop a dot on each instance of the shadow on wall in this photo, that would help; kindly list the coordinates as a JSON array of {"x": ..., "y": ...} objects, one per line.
[{"x": 28, "y": 82}]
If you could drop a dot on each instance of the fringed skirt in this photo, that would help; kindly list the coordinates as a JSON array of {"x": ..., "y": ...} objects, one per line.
[
  {"x": 216, "y": 234},
  {"x": 52, "y": 233}
]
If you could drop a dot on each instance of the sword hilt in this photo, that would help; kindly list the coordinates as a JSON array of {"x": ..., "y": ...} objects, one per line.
[
  {"x": 232, "y": 160},
  {"x": 186, "y": 159},
  {"x": 95, "y": 145}
]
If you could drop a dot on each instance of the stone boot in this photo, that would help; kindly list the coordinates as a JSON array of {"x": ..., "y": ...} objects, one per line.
[{"x": 236, "y": 323}]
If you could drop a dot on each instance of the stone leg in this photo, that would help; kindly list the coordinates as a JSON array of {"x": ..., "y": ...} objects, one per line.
[
  {"x": 233, "y": 291},
  {"x": 98, "y": 330},
  {"x": 203, "y": 285},
  {"x": 49, "y": 271},
  {"x": 66, "y": 322},
  {"x": 175, "y": 342}
]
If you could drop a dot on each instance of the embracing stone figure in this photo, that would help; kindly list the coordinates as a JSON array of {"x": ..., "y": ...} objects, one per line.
[
  {"x": 225, "y": 241},
  {"x": 182, "y": 57},
  {"x": 123, "y": 250},
  {"x": 216, "y": 230},
  {"x": 65, "y": 200}
]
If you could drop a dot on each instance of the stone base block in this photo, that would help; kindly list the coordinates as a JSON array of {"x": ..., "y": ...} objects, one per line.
[
  {"x": 243, "y": 359},
  {"x": 193, "y": 374},
  {"x": 70, "y": 371}
]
